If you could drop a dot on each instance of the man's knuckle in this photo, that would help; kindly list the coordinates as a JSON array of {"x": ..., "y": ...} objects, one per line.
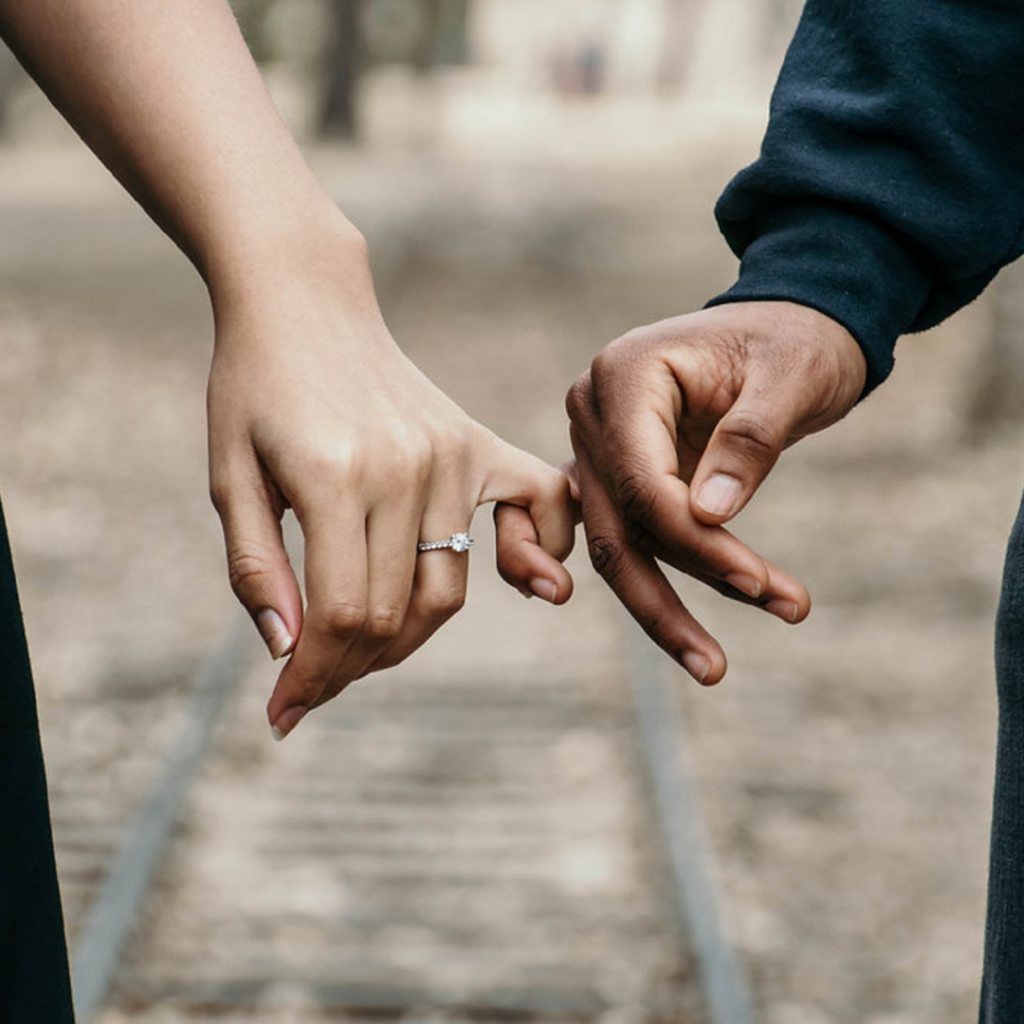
[
  {"x": 579, "y": 398},
  {"x": 639, "y": 537},
  {"x": 753, "y": 434},
  {"x": 622, "y": 356},
  {"x": 607, "y": 371},
  {"x": 602, "y": 366},
  {"x": 606, "y": 556},
  {"x": 624, "y": 347},
  {"x": 636, "y": 496}
]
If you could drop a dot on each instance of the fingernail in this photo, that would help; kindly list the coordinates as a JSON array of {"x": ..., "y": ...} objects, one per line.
[
  {"x": 720, "y": 494},
  {"x": 544, "y": 588},
  {"x": 287, "y": 720},
  {"x": 785, "y": 610},
  {"x": 749, "y": 585},
  {"x": 697, "y": 665},
  {"x": 274, "y": 632}
]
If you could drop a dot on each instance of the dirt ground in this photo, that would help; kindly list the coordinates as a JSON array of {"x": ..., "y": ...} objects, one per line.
[{"x": 845, "y": 765}]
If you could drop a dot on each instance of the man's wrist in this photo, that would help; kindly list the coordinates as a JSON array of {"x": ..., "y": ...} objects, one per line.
[
  {"x": 838, "y": 261},
  {"x": 811, "y": 341}
]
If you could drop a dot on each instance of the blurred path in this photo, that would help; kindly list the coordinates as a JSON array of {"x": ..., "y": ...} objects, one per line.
[
  {"x": 471, "y": 831},
  {"x": 845, "y": 765}
]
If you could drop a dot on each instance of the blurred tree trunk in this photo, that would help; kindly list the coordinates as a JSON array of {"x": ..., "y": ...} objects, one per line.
[
  {"x": 338, "y": 117},
  {"x": 443, "y": 40},
  {"x": 450, "y": 30},
  {"x": 444, "y": 33},
  {"x": 997, "y": 392}
]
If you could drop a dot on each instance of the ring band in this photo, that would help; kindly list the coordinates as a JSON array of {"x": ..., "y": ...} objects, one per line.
[{"x": 457, "y": 542}]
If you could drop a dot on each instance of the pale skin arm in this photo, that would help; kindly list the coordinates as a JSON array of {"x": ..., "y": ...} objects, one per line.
[
  {"x": 675, "y": 426},
  {"x": 311, "y": 403}
]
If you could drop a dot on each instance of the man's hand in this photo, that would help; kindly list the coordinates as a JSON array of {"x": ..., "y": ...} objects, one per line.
[{"x": 675, "y": 426}]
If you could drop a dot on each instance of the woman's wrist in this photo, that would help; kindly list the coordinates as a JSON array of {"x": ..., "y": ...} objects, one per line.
[{"x": 317, "y": 247}]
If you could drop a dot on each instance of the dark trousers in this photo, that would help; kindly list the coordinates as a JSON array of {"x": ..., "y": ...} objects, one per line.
[
  {"x": 34, "y": 981},
  {"x": 1002, "y": 991}
]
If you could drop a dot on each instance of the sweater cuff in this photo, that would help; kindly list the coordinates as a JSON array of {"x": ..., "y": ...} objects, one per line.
[{"x": 837, "y": 262}]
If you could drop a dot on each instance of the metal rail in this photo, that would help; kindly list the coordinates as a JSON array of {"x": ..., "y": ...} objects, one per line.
[
  {"x": 117, "y": 906},
  {"x": 695, "y": 899},
  {"x": 695, "y": 882}
]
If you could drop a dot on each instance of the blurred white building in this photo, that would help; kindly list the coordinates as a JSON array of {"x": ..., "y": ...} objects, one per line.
[{"x": 708, "y": 48}]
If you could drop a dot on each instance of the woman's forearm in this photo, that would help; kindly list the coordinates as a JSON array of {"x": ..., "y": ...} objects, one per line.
[
  {"x": 166, "y": 93},
  {"x": 311, "y": 403}
]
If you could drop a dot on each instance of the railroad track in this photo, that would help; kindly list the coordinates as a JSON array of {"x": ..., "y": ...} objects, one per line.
[{"x": 494, "y": 840}]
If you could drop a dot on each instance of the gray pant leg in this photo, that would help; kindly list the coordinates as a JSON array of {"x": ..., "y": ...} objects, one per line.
[{"x": 1002, "y": 994}]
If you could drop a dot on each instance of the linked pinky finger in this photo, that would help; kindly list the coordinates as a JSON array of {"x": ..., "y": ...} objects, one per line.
[{"x": 522, "y": 562}]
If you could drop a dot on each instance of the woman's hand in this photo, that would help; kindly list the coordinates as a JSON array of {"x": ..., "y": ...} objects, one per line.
[{"x": 313, "y": 406}]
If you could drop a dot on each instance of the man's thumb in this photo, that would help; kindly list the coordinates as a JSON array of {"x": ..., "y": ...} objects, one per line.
[{"x": 741, "y": 452}]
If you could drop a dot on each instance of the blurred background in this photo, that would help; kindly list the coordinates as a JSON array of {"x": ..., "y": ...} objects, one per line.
[{"x": 534, "y": 177}]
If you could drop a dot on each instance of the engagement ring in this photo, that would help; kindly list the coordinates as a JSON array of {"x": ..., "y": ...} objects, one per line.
[{"x": 457, "y": 542}]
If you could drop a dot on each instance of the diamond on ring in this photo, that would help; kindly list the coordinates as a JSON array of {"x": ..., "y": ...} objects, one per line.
[{"x": 458, "y": 542}]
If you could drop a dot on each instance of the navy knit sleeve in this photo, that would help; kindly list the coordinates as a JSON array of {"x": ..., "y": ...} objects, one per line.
[{"x": 890, "y": 186}]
